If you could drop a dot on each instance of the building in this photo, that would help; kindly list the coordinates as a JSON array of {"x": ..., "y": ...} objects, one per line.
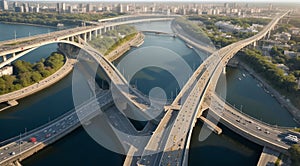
[
  {"x": 19, "y": 9},
  {"x": 25, "y": 7},
  {"x": 120, "y": 8},
  {"x": 7, "y": 70},
  {"x": 4, "y": 5},
  {"x": 290, "y": 53},
  {"x": 37, "y": 8}
]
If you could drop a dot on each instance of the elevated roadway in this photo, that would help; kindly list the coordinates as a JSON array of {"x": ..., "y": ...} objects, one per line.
[
  {"x": 14, "y": 49},
  {"x": 175, "y": 150},
  {"x": 21, "y": 147}
]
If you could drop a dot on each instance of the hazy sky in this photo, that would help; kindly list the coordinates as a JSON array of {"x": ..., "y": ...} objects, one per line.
[{"x": 248, "y": 1}]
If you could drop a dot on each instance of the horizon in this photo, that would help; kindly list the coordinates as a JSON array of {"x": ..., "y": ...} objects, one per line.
[{"x": 178, "y": 1}]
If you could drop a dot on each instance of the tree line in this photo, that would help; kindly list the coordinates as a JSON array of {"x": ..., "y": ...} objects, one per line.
[
  {"x": 52, "y": 19},
  {"x": 26, "y": 73},
  {"x": 112, "y": 39},
  {"x": 269, "y": 70}
]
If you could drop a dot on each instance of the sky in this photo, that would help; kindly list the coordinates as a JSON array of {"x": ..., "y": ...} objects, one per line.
[{"x": 248, "y": 1}]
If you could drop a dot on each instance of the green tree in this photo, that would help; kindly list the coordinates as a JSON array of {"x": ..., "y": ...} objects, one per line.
[{"x": 294, "y": 151}]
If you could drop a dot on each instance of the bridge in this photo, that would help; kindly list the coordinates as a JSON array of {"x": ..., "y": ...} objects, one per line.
[
  {"x": 173, "y": 134},
  {"x": 14, "y": 49},
  {"x": 73, "y": 37},
  {"x": 172, "y": 137}
]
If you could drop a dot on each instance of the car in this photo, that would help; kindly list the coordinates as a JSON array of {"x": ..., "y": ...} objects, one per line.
[
  {"x": 258, "y": 128},
  {"x": 267, "y": 132},
  {"x": 12, "y": 153},
  {"x": 48, "y": 135}
]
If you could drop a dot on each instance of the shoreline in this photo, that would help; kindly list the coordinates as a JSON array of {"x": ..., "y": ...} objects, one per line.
[
  {"x": 123, "y": 48},
  {"x": 294, "y": 111},
  {"x": 36, "y": 25},
  {"x": 38, "y": 86},
  {"x": 67, "y": 68}
]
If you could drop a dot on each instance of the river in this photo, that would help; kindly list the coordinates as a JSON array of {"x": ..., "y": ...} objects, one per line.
[{"x": 226, "y": 149}]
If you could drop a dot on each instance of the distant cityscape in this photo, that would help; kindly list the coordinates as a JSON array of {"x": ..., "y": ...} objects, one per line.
[{"x": 238, "y": 9}]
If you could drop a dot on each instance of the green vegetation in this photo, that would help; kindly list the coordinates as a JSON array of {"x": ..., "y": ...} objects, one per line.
[
  {"x": 52, "y": 19},
  {"x": 269, "y": 70},
  {"x": 297, "y": 130},
  {"x": 26, "y": 74},
  {"x": 120, "y": 42},
  {"x": 284, "y": 83},
  {"x": 295, "y": 22},
  {"x": 210, "y": 20},
  {"x": 112, "y": 39},
  {"x": 292, "y": 62},
  {"x": 218, "y": 37},
  {"x": 193, "y": 29},
  {"x": 277, "y": 162},
  {"x": 294, "y": 151}
]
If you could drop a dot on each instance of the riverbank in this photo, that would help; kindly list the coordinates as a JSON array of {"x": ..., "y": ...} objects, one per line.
[
  {"x": 36, "y": 87},
  {"x": 294, "y": 111},
  {"x": 123, "y": 48}
]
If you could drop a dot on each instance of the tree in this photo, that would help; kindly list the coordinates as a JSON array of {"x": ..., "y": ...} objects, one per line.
[{"x": 294, "y": 151}]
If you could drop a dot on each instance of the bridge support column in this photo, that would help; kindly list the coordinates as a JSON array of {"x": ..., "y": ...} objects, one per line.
[
  {"x": 112, "y": 28},
  {"x": 90, "y": 35},
  {"x": 100, "y": 31},
  {"x": 224, "y": 70},
  {"x": 255, "y": 43},
  {"x": 84, "y": 36},
  {"x": 4, "y": 58},
  {"x": 14, "y": 54},
  {"x": 72, "y": 38},
  {"x": 96, "y": 33},
  {"x": 104, "y": 29}
]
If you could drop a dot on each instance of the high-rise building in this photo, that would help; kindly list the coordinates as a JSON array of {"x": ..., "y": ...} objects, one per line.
[
  {"x": 4, "y": 5},
  {"x": 63, "y": 7},
  {"x": 25, "y": 7},
  {"x": 226, "y": 5},
  {"x": 37, "y": 8},
  {"x": 89, "y": 7},
  {"x": 120, "y": 8},
  {"x": 15, "y": 4}
]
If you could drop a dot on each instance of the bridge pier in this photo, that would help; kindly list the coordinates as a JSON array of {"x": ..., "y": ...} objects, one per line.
[
  {"x": 84, "y": 37},
  {"x": 255, "y": 44},
  {"x": 4, "y": 58},
  {"x": 269, "y": 34},
  {"x": 90, "y": 35},
  {"x": 224, "y": 70},
  {"x": 96, "y": 33}
]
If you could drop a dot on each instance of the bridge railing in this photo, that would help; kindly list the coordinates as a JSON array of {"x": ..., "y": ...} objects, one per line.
[
  {"x": 250, "y": 117},
  {"x": 16, "y": 138}
]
